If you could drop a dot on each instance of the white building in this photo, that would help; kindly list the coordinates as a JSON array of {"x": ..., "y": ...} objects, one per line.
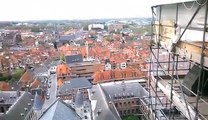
[{"x": 96, "y": 26}]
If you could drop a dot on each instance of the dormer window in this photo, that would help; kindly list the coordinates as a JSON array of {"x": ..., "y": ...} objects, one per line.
[
  {"x": 22, "y": 114},
  {"x": 26, "y": 109}
]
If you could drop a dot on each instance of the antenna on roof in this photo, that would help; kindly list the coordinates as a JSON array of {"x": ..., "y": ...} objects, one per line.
[
  {"x": 123, "y": 85},
  {"x": 18, "y": 93},
  {"x": 87, "y": 47}
]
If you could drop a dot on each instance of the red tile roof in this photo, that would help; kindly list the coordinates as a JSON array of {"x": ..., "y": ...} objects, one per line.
[
  {"x": 4, "y": 86},
  {"x": 60, "y": 82},
  {"x": 62, "y": 68},
  {"x": 35, "y": 84},
  {"x": 26, "y": 77},
  {"x": 102, "y": 76}
]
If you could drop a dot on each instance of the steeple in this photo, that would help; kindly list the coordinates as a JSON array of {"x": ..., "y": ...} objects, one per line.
[
  {"x": 37, "y": 105},
  {"x": 79, "y": 100}
]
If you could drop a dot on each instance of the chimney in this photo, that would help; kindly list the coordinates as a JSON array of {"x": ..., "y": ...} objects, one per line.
[{"x": 2, "y": 100}]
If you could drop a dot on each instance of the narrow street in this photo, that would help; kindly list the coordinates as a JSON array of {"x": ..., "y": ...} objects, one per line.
[{"x": 52, "y": 90}]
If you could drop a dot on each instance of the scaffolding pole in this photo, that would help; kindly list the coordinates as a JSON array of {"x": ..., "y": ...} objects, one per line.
[
  {"x": 201, "y": 63},
  {"x": 187, "y": 26},
  {"x": 157, "y": 59},
  {"x": 179, "y": 80},
  {"x": 150, "y": 67},
  {"x": 156, "y": 84},
  {"x": 171, "y": 87},
  {"x": 175, "y": 65}
]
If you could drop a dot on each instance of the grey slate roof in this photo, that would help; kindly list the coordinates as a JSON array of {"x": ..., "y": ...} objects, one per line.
[
  {"x": 54, "y": 63},
  {"x": 67, "y": 37},
  {"x": 75, "y": 83},
  {"x": 101, "y": 106},
  {"x": 70, "y": 36},
  {"x": 14, "y": 85},
  {"x": 124, "y": 90},
  {"x": 47, "y": 62},
  {"x": 102, "y": 95},
  {"x": 9, "y": 97},
  {"x": 41, "y": 69},
  {"x": 79, "y": 100},
  {"x": 22, "y": 105},
  {"x": 60, "y": 111},
  {"x": 73, "y": 58}
]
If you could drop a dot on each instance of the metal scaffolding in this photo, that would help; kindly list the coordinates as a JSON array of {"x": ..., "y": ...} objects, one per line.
[{"x": 168, "y": 67}]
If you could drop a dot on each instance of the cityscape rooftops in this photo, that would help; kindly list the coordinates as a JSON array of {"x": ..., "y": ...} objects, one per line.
[
  {"x": 4, "y": 86},
  {"x": 122, "y": 89},
  {"x": 101, "y": 107},
  {"x": 40, "y": 69},
  {"x": 79, "y": 100},
  {"x": 75, "y": 83},
  {"x": 20, "y": 104},
  {"x": 59, "y": 111},
  {"x": 27, "y": 76},
  {"x": 73, "y": 58}
]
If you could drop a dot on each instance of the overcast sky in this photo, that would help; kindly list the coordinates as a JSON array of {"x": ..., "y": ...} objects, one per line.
[{"x": 73, "y": 9}]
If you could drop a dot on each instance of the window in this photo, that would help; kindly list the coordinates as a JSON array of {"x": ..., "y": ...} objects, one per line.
[
  {"x": 132, "y": 110},
  {"x": 128, "y": 111},
  {"x": 2, "y": 110},
  {"x": 120, "y": 112},
  {"x": 129, "y": 102},
  {"x": 137, "y": 110},
  {"x": 124, "y": 103},
  {"x": 85, "y": 117},
  {"x": 116, "y": 104},
  {"x": 120, "y": 103},
  {"x": 124, "y": 112},
  {"x": 132, "y": 102}
]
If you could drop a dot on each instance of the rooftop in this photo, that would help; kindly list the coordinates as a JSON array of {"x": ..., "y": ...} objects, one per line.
[
  {"x": 60, "y": 111},
  {"x": 101, "y": 106},
  {"x": 75, "y": 83},
  {"x": 21, "y": 103},
  {"x": 4, "y": 86}
]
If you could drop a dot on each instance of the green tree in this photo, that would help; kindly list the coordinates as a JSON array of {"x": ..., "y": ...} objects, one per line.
[
  {"x": 36, "y": 29},
  {"x": 18, "y": 73},
  {"x": 62, "y": 57},
  {"x": 5, "y": 78},
  {"x": 130, "y": 117},
  {"x": 106, "y": 27},
  {"x": 126, "y": 26}
]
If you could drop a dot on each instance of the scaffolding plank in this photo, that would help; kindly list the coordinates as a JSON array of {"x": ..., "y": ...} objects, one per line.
[
  {"x": 203, "y": 108},
  {"x": 194, "y": 47},
  {"x": 177, "y": 100}
]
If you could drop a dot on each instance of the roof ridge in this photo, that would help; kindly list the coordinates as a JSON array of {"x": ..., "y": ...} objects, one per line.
[
  {"x": 103, "y": 94},
  {"x": 105, "y": 98},
  {"x": 49, "y": 108},
  {"x": 61, "y": 100},
  {"x": 68, "y": 106}
]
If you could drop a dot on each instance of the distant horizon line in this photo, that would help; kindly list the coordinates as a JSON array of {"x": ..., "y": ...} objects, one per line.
[{"x": 72, "y": 19}]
